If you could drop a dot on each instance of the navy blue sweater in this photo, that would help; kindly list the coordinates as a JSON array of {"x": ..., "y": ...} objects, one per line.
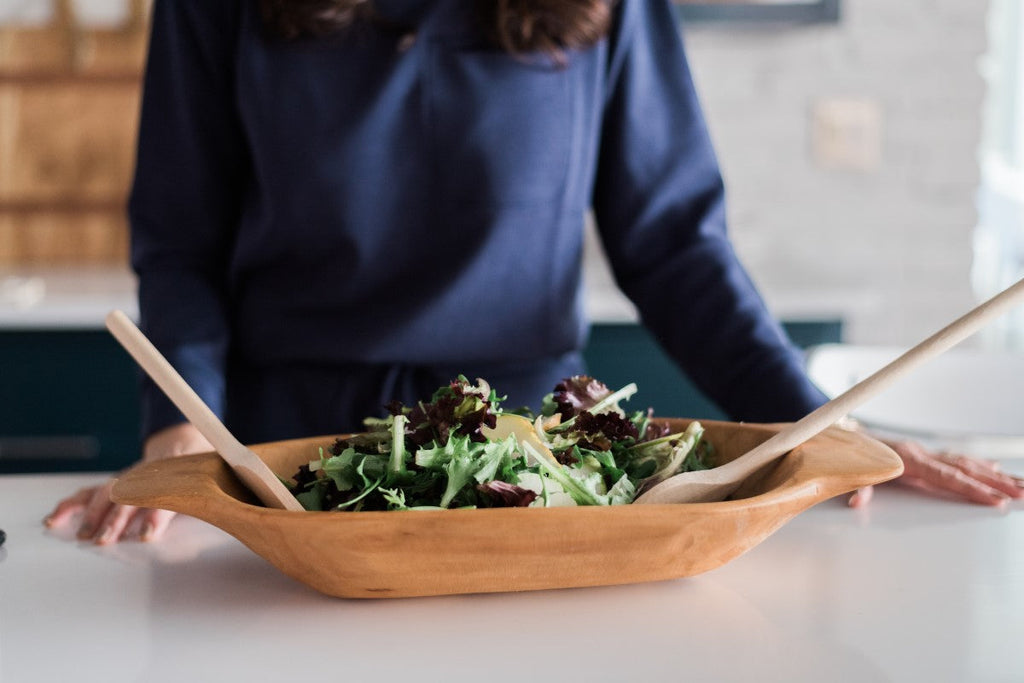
[{"x": 371, "y": 199}]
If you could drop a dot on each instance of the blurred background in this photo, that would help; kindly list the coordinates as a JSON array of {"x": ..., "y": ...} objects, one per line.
[
  {"x": 874, "y": 163},
  {"x": 69, "y": 89},
  {"x": 873, "y": 153}
]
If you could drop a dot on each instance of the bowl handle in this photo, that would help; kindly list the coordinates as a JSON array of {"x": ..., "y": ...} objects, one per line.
[{"x": 189, "y": 484}]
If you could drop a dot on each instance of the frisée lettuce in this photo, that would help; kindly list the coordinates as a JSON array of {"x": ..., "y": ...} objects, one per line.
[{"x": 437, "y": 454}]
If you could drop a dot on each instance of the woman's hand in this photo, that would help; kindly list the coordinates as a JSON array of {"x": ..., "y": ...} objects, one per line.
[
  {"x": 946, "y": 474},
  {"x": 103, "y": 521}
]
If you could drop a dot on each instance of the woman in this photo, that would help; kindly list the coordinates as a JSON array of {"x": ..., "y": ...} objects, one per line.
[{"x": 340, "y": 203}]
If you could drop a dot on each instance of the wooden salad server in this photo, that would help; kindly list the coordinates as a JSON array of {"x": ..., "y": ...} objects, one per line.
[
  {"x": 248, "y": 466},
  {"x": 719, "y": 482}
]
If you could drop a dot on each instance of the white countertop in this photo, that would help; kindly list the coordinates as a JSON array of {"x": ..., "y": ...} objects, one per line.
[
  {"x": 64, "y": 298},
  {"x": 80, "y": 297},
  {"x": 911, "y": 589}
]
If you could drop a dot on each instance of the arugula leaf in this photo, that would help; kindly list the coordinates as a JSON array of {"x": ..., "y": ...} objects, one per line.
[
  {"x": 396, "y": 463},
  {"x": 578, "y": 491},
  {"x": 496, "y": 455},
  {"x": 341, "y": 469},
  {"x": 313, "y": 498},
  {"x": 460, "y": 470},
  {"x": 395, "y": 498},
  {"x": 657, "y": 460},
  {"x": 368, "y": 487},
  {"x": 623, "y": 492}
]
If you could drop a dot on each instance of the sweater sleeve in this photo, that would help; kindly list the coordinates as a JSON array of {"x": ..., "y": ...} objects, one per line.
[
  {"x": 660, "y": 207},
  {"x": 185, "y": 198}
]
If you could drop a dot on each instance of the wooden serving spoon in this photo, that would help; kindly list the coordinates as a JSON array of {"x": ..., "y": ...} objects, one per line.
[
  {"x": 248, "y": 466},
  {"x": 717, "y": 483}
]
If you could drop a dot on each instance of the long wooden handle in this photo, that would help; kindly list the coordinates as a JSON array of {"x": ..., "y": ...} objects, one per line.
[
  {"x": 833, "y": 411},
  {"x": 246, "y": 464}
]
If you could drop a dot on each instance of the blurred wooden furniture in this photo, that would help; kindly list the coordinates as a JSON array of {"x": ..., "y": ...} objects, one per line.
[{"x": 68, "y": 109}]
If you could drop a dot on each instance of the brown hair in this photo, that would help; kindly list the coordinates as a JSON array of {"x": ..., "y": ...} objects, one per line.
[{"x": 516, "y": 26}]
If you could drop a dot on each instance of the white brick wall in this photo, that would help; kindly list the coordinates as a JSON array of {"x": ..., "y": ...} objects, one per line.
[{"x": 889, "y": 248}]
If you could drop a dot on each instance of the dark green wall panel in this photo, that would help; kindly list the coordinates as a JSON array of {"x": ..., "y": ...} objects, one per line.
[
  {"x": 620, "y": 354},
  {"x": 69, "y": 399},
  {"x": 68, "y": 402}
]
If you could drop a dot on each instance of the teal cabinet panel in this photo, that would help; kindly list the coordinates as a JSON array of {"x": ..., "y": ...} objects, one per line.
[
  {"x": 69, "y": 398},
  {"x": 620, "y": 354},
  {"x": 68, "y": 402}
]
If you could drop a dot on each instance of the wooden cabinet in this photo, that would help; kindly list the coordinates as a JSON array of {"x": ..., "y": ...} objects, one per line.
[{"x": 69, "y": 100}]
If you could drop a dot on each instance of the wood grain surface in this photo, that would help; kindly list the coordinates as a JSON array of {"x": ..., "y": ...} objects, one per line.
[{"x": 416, "y": 553}]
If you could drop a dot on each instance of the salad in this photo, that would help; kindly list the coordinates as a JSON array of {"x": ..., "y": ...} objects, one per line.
[{"x": 460, "y": 449}]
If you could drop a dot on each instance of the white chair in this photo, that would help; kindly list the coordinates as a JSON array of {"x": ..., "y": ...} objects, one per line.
[{"x": 965, "y": 399}]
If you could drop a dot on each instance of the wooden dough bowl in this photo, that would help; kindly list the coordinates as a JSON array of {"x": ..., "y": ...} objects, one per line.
[{"x": 415, "y": 553}]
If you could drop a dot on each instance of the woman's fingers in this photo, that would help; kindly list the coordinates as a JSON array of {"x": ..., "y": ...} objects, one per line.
[
  {"x": 986, "y": 472},
  {"x": 947, "y": 474},
  {"x": 114, "y": 524},
  {"x": 96, "y": 511},
  {"x": 154, "y": 523},
  {"x": 92, "y": 502},
  {"x": 861, "y": 497},
  {"x": 103, "y": 521},
  {"x": 919, "y": 484},
  {"x": 959, "y": 480},
  {"x": 68, "y": 508}
]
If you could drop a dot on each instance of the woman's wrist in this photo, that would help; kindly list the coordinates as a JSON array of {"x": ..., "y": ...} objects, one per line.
[{"x": 179, "y": 439}]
